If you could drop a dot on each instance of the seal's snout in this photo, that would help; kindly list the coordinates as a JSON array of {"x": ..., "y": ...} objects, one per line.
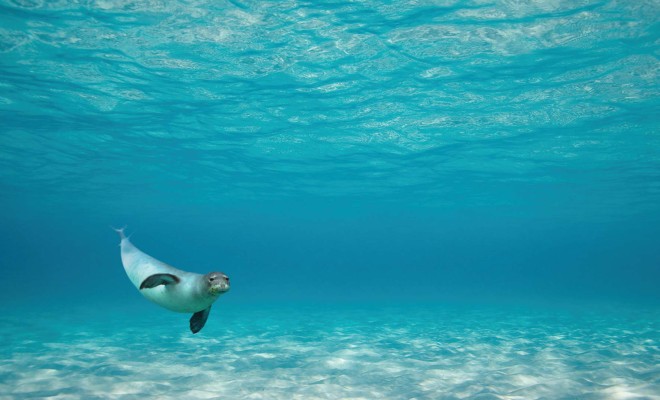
[{"x": 218, "y": 282}]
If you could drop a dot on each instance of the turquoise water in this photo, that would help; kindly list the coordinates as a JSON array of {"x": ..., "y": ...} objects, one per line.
[{"x": 413, "y": 200}]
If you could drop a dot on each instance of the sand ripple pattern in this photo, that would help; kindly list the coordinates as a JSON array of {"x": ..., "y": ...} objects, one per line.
[{"x": 302, "y": 353}]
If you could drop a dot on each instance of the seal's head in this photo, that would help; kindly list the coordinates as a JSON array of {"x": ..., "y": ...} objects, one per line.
[{"x": 218, "y": 283}]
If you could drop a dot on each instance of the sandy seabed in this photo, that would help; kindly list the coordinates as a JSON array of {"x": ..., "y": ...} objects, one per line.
[{"x": 415, "y": 352}]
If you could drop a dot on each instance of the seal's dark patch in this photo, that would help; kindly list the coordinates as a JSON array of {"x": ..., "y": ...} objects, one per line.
[{"x": 159, "y": 279}]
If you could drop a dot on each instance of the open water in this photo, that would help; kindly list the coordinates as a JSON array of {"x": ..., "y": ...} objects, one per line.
[{"x": 413, "y": 199}]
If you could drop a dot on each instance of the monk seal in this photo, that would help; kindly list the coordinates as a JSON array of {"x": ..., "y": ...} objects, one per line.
[{"x": 169, "y": 287}]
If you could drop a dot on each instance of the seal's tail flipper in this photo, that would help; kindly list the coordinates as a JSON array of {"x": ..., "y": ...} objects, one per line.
[{"x": 120, "y": 231}]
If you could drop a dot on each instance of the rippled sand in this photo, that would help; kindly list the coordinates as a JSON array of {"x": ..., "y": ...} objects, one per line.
[{"x": 330, "y": 353}]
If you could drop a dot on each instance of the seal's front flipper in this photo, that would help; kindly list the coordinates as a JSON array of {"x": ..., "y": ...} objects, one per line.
[
  {"x": 159, "y": 279},
  {"x": 198, "y": 320}
]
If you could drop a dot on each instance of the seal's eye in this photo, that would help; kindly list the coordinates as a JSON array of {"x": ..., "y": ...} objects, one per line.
[{"x": 211, "y": 279}]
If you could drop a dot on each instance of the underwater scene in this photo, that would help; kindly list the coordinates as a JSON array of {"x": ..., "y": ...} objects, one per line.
[{"x": 335, "y": 199}]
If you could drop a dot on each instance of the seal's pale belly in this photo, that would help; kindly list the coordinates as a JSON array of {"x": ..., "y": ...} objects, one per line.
[{"x": 177, "y": 298}]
